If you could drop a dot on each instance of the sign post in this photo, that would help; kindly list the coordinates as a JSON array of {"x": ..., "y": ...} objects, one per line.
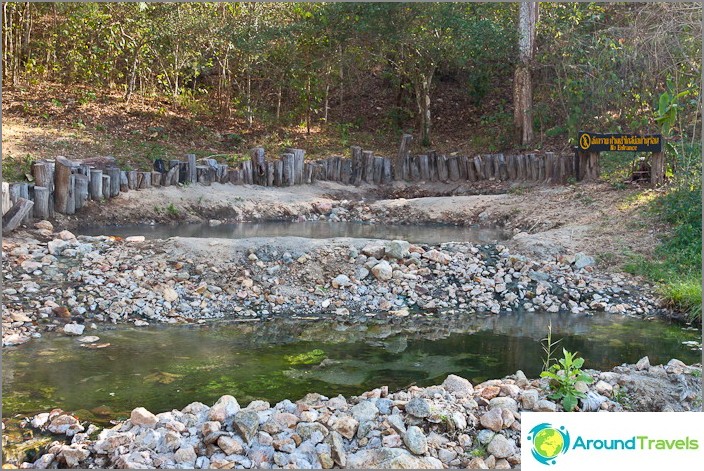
[{"x": 590, "y": 145}]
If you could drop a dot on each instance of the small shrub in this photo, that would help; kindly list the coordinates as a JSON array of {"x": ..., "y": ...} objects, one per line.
[{"x": 564, "y": 376}]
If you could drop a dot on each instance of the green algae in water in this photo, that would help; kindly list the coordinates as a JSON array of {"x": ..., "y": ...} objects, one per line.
[{"x": 286, "y": 359}]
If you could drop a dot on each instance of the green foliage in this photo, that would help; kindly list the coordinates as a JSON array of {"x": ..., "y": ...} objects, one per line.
[
  {"x": 14, "y": 169},
  {"x": 563, "y": 377},
  {"x": 171, "y": 210},
  {"x": 676, "y": 267},
  {"x": 549, "y": 348}
]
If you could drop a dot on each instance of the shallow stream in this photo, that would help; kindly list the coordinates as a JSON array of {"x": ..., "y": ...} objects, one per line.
[{"x": 168, "y": 367}]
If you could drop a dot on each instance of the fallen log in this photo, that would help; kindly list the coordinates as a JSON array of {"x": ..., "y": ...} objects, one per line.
[{"x": 14, "y": 217}]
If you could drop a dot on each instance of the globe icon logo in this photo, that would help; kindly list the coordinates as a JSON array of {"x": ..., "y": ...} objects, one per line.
[{"x": 548, "y": 442}]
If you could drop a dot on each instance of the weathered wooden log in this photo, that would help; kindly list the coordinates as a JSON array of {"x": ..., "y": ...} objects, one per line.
[
  {"x": 204, "y": 175},
  {"x": 413, "y": 169},
  {"x": 346, "y": 171},
  {"x": 96, "y": 184},
  {"x": 520, "y": 167},
  {"x": 192, "y": 175},
  {"x": 132, "y": 178},
  {"x": 488, "y": 161},
  {"x": 14, "y": 193},
  {"x": 269, "y": 174},
  {"x": 378, "y": 169},
  {"x": 453, "y": 169},
  {"x": 468, "y": 163},
  {"x": 289, "y": 170},
  {"x": 503, "y": 167},
  {"x": 258, "y": 159},
  {"x": 478, "y": 167},
  {"x": 247, "y": 172},
  {"x": 357, "y": 164},
  {"x": 278, "y": 173},
  {"x": 423, "y": 168},
  {"x": 368, "y": 169},
  {"x": 106, "y": 186},
  {"x": 387, "y": 174},
  {"x": 17, "y": 213},
  {"x": 42, "y": 203},
  {"x": 171, "y": 177},
  {"x": 71, "y": 195},
  {"x": 549, "y": 166},
  {"x": 308, "y": 173},
  {"x": 401, "y": 160},
  {"x": 443, "y": 173},
  {"x": 462, "y": 167},
  {"x": 80, "y": 193},
  {"x": 5, "y": 197},
  {"x": 124, "y": 187},
  {"x": 156, "y": 178},
  {"x": 62, "y": 172},
  {"x": 43, "y": 173},
  {"x": 144, "y": 180},
  {"x": 511, "y": 168},
  {"x": 298, "y": 161},
  {"x": 17, "y": 192},
  {"x": 330, "y": 167},
  {"x": 114, "y": 174}
]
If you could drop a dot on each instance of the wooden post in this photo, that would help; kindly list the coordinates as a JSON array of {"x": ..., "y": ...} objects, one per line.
[
  {"x": 247, "y": 172},
  {"x": 42, "y": 203},
  {"x": 132, "y": 180},
  {"x": 24, "y": 193},
  {"x": 96, "y": 184},
  {"x": 657, "y": 168},
  {"x": 80, "y": 191},
  {"x": 191, "y": 176},
  {"x": 423, "y": 168},
  {"x": 378, "y": 169},
  {"x": 549, "y": 166},
  {"x": 453, "y": 169},
  {"x": 71, "y": 195},
  {"x": 413, "y": 169},
  {"x": 258, "y": 165},
  {"x": 386, "y": 173},
  {"x": 471, "y": 172},
  {"x": 144, "y": 180},
  {"x": 14, "y": 217},
  {"x": 588, "y": 169},
  {"x": 114, "y": 173},
  {"x": 62, "y": 172},
  {"x": 488, "y": 161},
  {"x": 278, "y": 173},
  {"x": 404, "y": 151},
  {"x": 156, "y": 179},
  {"x": 43, "y": 173},
  {"x": 368, "y": 172},
  {"x": 289, "y": 170},
  {"x": 479, "y": 167},
  {"x": 443, "y": 174},
  {"x": 298, "y": 160},
  {"x": 357, "y": 165},
  {"x": 124, "y": 187},
  {"x": 345, "y": 171},
  {"x": 106, "y": 186},
  {"x": 269, "y": 174},
  {"x": 5, "y": 197}
]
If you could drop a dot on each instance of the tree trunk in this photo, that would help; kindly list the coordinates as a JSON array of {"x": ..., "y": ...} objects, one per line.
[
  {"x": 423, "y": 101},
  {"x": 523, "y": 87}
]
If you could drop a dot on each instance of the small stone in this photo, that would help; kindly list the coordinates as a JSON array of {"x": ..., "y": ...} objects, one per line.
[
  {"x": 545, "y": 406},
  {"x": 505, "y": 402},
  {"x": 437, "y": 257},
  {"x": 341, "y": 281},
  {"x": 418, "y": 407},
  {"x": 501, "y": 447},
  {"x": 477, "y": 463},
  {"x": 141, "y": 416},
  {"x": 492, "y": 419},
  {"x": 132, "y": 239},
  {"x": 88, "y": 339},
  {"x": 604, "y": 388},
  {"x": 458, "y": 386},
  {"x": 209, "y": 427},
  {"x": 169, "y": 294},
  {"x": 246, "y": 423},
  {"x": 382, "y": 271},
  {"x": 73, "y": 455},
  {"x": 365, "y": 411},
  {"x": 44, "y": 225},
  {"x": 581, "y": 260},
  {"x": 643, "y": 364},
  {"x": 337, "y": 449},
  {"x": 230, "y": 445},
  {"x": 66, "y": 235},
  {"x": 74, "y": 329},
  {"x": 346, "y": 426},
  {"x": 415, "y": 440},
  {"x": 56, "y": 246},
  {"x": 529, "y": 399},
  {"x": 224, "y": 408},
  {"x": 397, "y": 249},
  {"x": 185, "y": 455},
  {"x": 374, "y": 250}
]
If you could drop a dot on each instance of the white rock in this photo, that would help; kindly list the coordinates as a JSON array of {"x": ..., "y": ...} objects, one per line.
[
  {"x": 74, "y": 329},
  {"x": 135, "y": 239}
]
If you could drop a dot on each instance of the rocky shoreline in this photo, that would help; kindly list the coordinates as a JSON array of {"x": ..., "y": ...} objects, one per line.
[
  {"x": 453, "y": 425},
  {"x": 57, "y": 281}
]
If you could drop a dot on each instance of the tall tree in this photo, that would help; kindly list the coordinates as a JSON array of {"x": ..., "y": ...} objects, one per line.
[{"x": 522, "y": 81}]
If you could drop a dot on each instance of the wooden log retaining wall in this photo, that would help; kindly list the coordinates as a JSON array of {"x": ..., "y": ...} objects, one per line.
[{"x": 66, "y": 186}]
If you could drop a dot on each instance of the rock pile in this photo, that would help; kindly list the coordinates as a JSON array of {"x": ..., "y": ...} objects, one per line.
[{"x": 453, "y": 425}]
